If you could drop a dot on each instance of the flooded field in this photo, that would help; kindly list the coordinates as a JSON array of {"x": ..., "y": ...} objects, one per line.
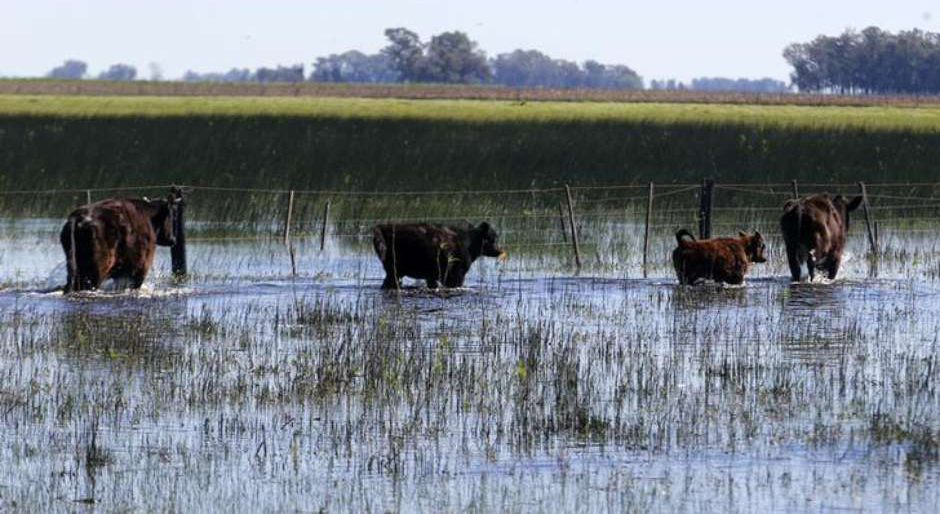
[{"x": 531, "y": 389}]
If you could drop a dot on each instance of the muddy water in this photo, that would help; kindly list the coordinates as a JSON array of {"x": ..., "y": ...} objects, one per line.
[{"x": 530, "y": 389}]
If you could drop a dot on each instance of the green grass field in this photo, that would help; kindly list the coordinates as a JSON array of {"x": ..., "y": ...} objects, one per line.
[{"x": 890, "y": 117}]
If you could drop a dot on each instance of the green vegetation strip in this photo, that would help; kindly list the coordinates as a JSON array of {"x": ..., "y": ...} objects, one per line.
[{"x": 924, "y": 118}]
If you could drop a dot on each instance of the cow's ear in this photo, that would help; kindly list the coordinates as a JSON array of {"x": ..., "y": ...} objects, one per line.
[
  {"x": 483, "y": 227},
  {"x": 854, "y": 203},
  {"x": 789, "y": 204},
  {"x": 742, "y": 233},
  {"x": 758, "y": 236}
]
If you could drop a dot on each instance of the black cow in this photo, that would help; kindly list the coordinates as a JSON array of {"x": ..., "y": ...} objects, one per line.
[
  {"x": 814, "y": 231},
  {"x": 435, "y": 253}
]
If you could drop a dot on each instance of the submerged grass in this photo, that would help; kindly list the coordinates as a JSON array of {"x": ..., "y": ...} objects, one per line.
[
  {"x": 483, "y": 401},
  {"x": 632, "y": 392}
]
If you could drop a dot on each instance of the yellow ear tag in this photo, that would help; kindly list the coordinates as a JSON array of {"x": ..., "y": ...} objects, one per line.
[{"x": 503, "y": 256}]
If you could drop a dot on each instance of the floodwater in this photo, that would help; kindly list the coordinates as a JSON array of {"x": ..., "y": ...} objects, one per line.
[{"x": 533, "y": 388}]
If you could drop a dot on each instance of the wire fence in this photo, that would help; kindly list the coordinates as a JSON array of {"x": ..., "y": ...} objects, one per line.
[{"x": 565, "y": 216}]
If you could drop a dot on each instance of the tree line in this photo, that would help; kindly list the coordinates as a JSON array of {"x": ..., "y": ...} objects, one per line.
[
  {"x": 449, "y": 58},
  {"x": 872, "y": 61},
  {"x": 75, "y": 69},
  {"x": 764, "y": 85}
]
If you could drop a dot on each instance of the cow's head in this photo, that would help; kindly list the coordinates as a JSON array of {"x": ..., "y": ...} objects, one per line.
[
  {"x": 754, "y": 245},
  {"x": 486, "y": 237},
  {"x": 845, "y": 207}
]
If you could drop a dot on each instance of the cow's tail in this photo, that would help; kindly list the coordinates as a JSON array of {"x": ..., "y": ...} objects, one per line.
[
  {"x": 81, "y": 226},
  {"x": 378, "y": 240},
  {"x": 684, "y": 237},
  {"x": 795, "y": 209},
  {"x": 73, "y": 259},
  {"x": 799, "y": 220}
]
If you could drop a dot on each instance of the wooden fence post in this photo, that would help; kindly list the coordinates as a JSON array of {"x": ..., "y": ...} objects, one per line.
[
  {"x": 561, "y": 222},
  {"x": 178, "y": 250},
  {"x": 872, "y": 241},
  {"x": 326, "y": 216},
  {"x": 796, "y": 190},
  {"x": 646, "y": 233},
  {"x": 287, "y": 241},
  {"x": 574, "y": 229},
  {"x": 87, "y": 196},
  {"x": 705, "y": 209},
  {"x": 290, "y": 213}
]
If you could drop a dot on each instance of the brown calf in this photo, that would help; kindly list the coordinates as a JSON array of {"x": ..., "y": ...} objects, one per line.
[
  {"x": 435, "y": 253},
  {"x": 722, "y": 259},
  {"x": 814, "y": 231},
  {"x": 115, "y": 238}
]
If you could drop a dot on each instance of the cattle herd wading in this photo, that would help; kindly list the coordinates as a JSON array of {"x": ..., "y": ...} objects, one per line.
[{"x": 117, "y": 238}]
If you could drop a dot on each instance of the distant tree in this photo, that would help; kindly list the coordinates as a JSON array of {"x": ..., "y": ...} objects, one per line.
[
  {"x": 615, "y": 76},
  {"x": 523, "y": 68},
  {"x": 668, "y": 85},
  {"x": 119, "y": 72},
  {"x": 526, "y": 68},
  {"x": 870, "y": 61},
  {"x": 354, "y": 66},
  {"x": 406, "y": 53},
  {"x": 765, "y": 85},
  {"x": 452, "y": 57},
  {"x": 293, "y": 73},
  {"x": 233, "y": 75},
  {"x": 70, "y": 69}
]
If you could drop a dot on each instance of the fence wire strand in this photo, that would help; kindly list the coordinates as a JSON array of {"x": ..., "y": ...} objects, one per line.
[{"x": 541, "y": 227}]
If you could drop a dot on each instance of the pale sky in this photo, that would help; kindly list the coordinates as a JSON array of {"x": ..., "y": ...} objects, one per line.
[{"x": 659, "y": 40}]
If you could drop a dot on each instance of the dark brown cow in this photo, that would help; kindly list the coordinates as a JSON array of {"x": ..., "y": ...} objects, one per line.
[
  {"x": 722, "y": 259},
  {"x": 814, "y": 232},
  {"x": 435, "y": 253},
  {"x": 115, "y": 238}
]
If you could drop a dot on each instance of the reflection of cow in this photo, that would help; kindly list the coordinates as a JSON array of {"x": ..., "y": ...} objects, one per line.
[
  {"x": 115, "y": 238},
  {"x": 814, "y": 231},
  {"x": 722, "y": 259},
  {"x": 435, "y": 253}
]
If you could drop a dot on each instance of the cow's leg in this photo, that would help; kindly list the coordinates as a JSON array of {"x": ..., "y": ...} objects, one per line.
[
  {"x": 71, "y": 283},
  {"x": 455, "y": 279},
  {"x": 432, "y": 283},
  {"x": 811, "y": 266},
  {"x": 832, "y": 266},
  {"x": 391, "y": 281},
  {"x": 88, "y": 279},
  {"x": 391, "y": 274},
  {"x": 793, "y": 259},
  {"x": 137, "y": 278},
  {"x": 735, "y": 279}
]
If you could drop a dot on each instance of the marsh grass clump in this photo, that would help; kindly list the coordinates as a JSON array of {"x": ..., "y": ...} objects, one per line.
[{"x": 95, "y": 456}]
